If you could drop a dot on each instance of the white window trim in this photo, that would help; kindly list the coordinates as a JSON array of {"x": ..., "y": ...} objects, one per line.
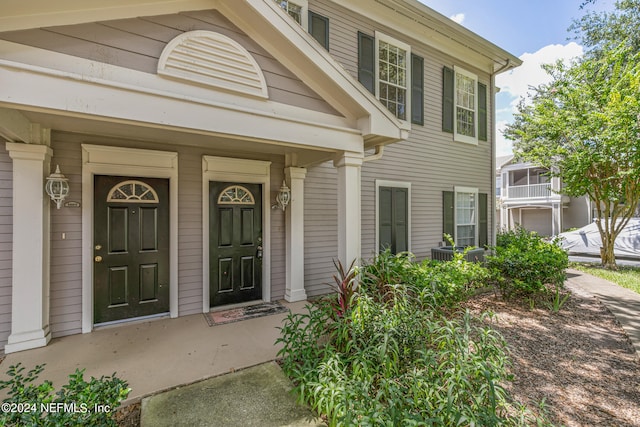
[
  {"x": 399, "y": 184},
  {"x": 456, "y": 136},
  {"x": 407, "y": 48},
  {"x": 304, "y": 13},
  {"x": 455, "y": 212}
]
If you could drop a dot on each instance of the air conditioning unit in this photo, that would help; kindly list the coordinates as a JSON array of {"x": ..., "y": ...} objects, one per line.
[{"x": 445, "y": 253}]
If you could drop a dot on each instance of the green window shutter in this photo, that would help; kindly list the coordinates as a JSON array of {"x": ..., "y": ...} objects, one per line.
[
  {"x": 483, "y": 220},
  {"x": 447, "y": 99},
  {"x": 385, "y": 220},
  {"x": 393, "y": 220},
  {"x": 417, "y": 90},
  {"x": 366, "y": 61},
  {"x": 482, "y": 112},
  {"x": 319, "y": 28},
  {"x": 448, "y": 215},
  {"x": 401, "y": 219}
]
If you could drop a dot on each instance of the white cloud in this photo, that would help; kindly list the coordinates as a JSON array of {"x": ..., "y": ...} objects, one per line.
[
  {"x": 517, "y": 83},
  {"x": 458, "y": 17}
]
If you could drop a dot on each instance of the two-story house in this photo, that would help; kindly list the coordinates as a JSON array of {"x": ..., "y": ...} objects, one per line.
[
  {"x": 527, "y": 196},
  {"x": 221, "y": 152}
]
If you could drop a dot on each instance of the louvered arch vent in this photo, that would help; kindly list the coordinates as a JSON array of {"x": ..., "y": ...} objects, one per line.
[{"x": 212, "y": 59}]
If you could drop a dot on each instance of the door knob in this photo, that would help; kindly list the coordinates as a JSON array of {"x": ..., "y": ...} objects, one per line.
[{"x": 98, "y": 258}]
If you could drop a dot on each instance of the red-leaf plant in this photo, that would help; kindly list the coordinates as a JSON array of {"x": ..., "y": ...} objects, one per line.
[{"x": 345, "y": 285}]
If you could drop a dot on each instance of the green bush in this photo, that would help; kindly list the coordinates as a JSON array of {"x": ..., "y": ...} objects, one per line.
[
  {"x": 524, "y": 263},
  {"x": 396, "y": 362},
  {"x": 78, "y": 403},
  {"x": 437, "y": 283}
]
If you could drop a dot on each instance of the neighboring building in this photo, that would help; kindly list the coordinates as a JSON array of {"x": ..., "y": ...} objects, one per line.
[
  {"x": 528, "y": 197},
  {"x": 176, "y": 123}
]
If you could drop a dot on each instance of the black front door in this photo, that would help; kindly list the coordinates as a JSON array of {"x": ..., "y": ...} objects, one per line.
[
  {"x": 235, "y": 242},
  {"x": 131, "y": 247}
]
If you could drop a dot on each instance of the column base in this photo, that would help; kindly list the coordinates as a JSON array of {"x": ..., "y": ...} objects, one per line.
[
  {"x": 293, "y": 295},
  {"x": 28, "y": 340}
]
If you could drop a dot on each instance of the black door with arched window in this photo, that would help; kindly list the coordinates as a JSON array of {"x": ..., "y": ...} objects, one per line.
[
  {"x": 130, "y": 247},
  {"x": 235, "y": 243}
]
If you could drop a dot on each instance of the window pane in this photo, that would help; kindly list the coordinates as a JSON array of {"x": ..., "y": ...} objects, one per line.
[
  {"x": 465, "y": 219},
  {"x": 392, "y": 75},
  {"x": 294, "y": 10},
  {"x": 465, "y": 105}
]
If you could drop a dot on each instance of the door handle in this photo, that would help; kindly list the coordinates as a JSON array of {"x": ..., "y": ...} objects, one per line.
[
  {"x": 98, "y": 258},
  {"x": 259, "y": 252}
]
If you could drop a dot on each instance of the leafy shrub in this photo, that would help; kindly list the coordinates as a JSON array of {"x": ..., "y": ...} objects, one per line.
[
  {"x": 524, "y": 263},
  {"x": 77, "y": 403},
  {"x": 396, "y": 362},
  {"x": 437, "y": 283}
]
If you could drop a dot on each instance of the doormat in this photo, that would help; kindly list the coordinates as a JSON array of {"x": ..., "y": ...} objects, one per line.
[{"x": 244, "y": 313}]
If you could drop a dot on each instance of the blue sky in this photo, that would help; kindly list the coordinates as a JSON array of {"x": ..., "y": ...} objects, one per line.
[{"x": 533, "y": 30}]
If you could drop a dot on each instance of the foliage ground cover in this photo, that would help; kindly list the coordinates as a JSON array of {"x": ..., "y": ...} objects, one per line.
[
  {"x": 392, "y": 348},
  {"x": 77, "y": 403},
  {"x": 627, "y": 277}
]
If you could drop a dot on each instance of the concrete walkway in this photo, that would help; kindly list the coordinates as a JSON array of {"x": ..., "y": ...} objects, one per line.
[
  {"x": 258, "y": 396},
  {"x": 157, "y": 355},
  {"x": 623, "y": 303}
]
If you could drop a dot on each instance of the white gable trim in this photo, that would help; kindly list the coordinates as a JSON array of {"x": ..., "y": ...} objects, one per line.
[
  {"x": 215, "y": 60},
  {"x": 130, "y": 96}
]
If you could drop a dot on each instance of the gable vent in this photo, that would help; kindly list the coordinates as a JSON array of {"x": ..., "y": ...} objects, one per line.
[{"x": 212, "y": 59}]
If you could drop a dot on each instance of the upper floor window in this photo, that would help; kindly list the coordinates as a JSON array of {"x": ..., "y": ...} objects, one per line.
[
  {"x": 393, "y": 74},
  {"x": 464, "y": 106},
  {"x": 388, "y": 69},
  {"x": 293, "y": 9}
]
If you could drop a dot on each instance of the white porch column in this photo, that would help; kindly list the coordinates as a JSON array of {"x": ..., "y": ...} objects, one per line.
[
  {"x": 295, "y": 236},
  {"x": 30, "y": 291},
  {"x": 556, "y": 218},
  {"x": 349, "y": 211}
]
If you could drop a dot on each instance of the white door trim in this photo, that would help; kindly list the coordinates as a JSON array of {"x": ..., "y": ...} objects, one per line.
[
  {"x": 105, "y": 160},
  {"x": 227, "y": 169}
]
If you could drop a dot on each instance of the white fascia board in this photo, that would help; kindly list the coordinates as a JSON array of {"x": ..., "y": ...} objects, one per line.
[
  {"x": 265, "y": 22},
  {"x": 134, "y": 97},
  {"x": 21, "y": 15},
  {"x": 518, "y": 166}
]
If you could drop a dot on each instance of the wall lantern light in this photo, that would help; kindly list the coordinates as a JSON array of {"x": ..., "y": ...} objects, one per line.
[
  {"x": 283, "y": 198},
  {"x": 57, "y": 187}
]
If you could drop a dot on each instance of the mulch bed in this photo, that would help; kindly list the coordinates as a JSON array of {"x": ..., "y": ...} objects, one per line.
[{"x": 579, "y": 361}]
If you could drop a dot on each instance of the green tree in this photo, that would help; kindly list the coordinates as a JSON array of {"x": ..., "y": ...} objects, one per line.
[
  {"x": 584, "y": 127},
  {"x": 597, "y": 30}
]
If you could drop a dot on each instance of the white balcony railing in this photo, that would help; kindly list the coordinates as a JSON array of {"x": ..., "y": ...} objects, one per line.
[{"x": 529, "y": 191}]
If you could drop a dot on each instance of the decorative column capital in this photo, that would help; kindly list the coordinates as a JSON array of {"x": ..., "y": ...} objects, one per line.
[
  {"x": 348, "y": 158},
  {"x": 20, "y": 151},
  {"x": 293, "y": 172}
]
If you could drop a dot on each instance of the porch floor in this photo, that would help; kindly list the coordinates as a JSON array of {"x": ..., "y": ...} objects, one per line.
[{"x": 159, "y": 354}]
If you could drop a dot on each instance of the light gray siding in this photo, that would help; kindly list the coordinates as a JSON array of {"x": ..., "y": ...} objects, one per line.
[
  {"x": 6, "y": 240},
  {"x": 430, "y": 160},
  {"x": 320, "y": 227},
  {"x": 577, "y": 214},
  {"x": 137, "y": 44},
  {"x": 66, "y": 262}
]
